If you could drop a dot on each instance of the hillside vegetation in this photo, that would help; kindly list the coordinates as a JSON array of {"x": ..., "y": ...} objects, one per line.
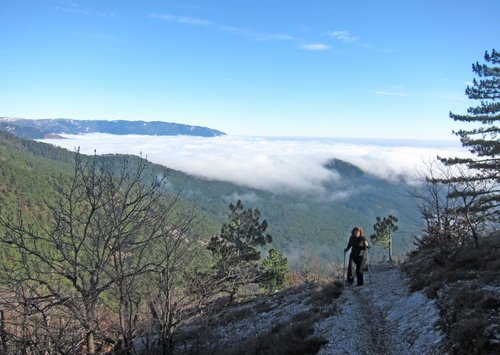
[
  {"x": 465, "y": 282},
  {"x": 120, "y": 243},
  {"x": 45, "y": 128},
  {"x": 301, "y": 225}
]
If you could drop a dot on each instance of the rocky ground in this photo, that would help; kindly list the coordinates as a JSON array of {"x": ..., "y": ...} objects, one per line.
[{"x": 380, "y": 318}]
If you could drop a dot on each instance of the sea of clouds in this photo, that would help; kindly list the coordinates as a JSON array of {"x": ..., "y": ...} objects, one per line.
[{"x": 273, "y": 164}]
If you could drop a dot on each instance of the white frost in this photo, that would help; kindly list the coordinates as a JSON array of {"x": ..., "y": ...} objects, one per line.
[{"x": 383, "y": 317}]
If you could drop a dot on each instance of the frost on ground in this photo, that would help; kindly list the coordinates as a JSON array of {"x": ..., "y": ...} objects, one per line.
[{"x": 382, "y": 318}]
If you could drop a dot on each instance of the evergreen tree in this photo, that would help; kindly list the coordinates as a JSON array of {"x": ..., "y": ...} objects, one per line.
[
  {"x": 482, "y": 142},
  {"x": 235, "y": 248},
  {"x": 274, "y": 269},
  {"x": 384, "y": 228}
]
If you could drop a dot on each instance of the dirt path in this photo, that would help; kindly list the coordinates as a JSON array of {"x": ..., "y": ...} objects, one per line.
[{"x": 382, "y": 318}]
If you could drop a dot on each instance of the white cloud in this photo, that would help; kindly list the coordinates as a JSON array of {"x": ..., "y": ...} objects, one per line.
[
  {"x": 250, "y": 197},
  {"x": 193, "y": 21},
  {"x": 343, "y": 36},
  {"x": 271, "y": 164},
  {"x": 315, "y": 47},
  {"x": 79, "y": 10},
  {"x": 340, "y": 195},
  {"x": 254, "y": 35},
  {"x": 237, "y": 31},
  {"x": 347, "y": 37},
  {"x": 185, "y": 20}
]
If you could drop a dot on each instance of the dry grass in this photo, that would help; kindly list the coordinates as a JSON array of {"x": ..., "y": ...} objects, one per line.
[
  {"x": 293, "y": 338},
  {"x": 466, "y": 285},
  {"x": 288, "y": 334},
  {"x": 327, "y": 292}
]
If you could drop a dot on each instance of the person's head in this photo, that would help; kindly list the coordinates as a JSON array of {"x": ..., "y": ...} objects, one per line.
[{"x": 357, "y": 232}]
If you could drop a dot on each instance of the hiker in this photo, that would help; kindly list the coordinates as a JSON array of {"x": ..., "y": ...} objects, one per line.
[{"x": 359, "y": 245}]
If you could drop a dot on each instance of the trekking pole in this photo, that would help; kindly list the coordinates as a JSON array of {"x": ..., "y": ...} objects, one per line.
[
  {"x": 368, "y": 264},
  {"x": 343, "y": 271}
]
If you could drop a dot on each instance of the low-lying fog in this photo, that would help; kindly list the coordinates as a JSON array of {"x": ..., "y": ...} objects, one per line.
[{"x": 270, "y": 163}]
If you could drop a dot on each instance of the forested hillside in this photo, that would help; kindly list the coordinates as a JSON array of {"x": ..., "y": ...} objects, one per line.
[
  {"x": 36, "y": 129},
  {"x": 302, "y": 226}
]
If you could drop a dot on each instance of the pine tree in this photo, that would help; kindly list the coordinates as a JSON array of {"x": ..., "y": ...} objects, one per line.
[
  {"x": 384, "y": 228},
  {"x": 274, "y": 269},
  {"x": 235, "y": 248},
  {"x": 482, "y": 141}
]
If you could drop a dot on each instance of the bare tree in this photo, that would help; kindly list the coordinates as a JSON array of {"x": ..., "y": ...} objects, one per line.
[
  {"x": 165, "y": 284},
  {"x": 100, "y": 239},
  {"x": 448, "y": 211}
]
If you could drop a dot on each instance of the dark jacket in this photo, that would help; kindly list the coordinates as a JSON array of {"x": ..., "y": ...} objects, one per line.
[{"x": 358, "y": 246}]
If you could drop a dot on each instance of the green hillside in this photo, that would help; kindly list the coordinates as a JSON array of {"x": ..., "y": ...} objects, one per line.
[
  {"x": 299, "y": 224},
  {"x": 320, "y": 225}
]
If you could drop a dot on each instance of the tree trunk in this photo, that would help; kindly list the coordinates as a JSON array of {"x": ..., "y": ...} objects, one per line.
[
  {"x": 390, "y": 248},
  {"x": 3, "y": 335}
]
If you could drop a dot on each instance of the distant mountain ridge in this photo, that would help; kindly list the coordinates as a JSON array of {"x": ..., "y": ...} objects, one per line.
[{"x": 50, "y": 128}]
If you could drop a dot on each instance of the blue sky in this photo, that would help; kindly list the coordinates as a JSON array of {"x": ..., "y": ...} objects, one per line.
[{"x": 318, "y": 68}]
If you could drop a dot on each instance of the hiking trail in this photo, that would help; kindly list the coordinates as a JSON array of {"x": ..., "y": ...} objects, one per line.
[{"x": 382, "y": 317}]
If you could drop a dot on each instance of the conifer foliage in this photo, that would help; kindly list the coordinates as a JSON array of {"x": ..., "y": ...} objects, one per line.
[
  {"x": 482, "y": 141},
  {"x": 274, "y": 269},
  {"x": 384, "y": 228},
  {"x": 235, "y": 248}
]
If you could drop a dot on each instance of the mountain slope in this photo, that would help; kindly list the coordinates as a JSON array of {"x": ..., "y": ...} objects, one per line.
[
  {"x": 304, "y": 227},
  {"x": 323, "y": 318},
  {"x": 307, "y": 225},
  {"x": 46, "y": 128}
]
